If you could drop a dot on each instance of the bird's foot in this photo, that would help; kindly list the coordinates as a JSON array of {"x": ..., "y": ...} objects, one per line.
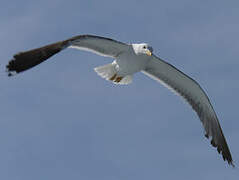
[
  {"x": 116, "y": 78},
  {"x": 113, "y": 77}
]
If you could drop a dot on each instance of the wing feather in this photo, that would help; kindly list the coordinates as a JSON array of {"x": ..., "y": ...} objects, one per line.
[
  {"x": 99, "y": 45},
  {"x": 191, "y": 91}
]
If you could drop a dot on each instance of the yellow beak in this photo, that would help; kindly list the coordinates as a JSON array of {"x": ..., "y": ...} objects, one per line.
[{"x": 149, "y": 53}]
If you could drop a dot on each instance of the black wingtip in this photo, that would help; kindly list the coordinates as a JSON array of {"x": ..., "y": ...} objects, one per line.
[
  {"x": 231, "y": 163},
  {"x": 25, "y": 60},
  {"x": 10, "y": 74},
  {"x": 10, "y": 70},
  {"x": 224, "y": 151}
]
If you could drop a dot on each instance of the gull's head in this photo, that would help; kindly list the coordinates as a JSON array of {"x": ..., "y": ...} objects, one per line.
[{"x": 142, "y": 48}]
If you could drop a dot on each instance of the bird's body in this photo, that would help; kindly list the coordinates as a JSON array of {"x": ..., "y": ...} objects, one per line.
[
  {"x": 128, "y": 60},
  {"x": 129, "y": 63}
]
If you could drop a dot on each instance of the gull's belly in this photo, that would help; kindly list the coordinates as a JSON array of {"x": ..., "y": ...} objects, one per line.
[{"x": 130, "y": 64}]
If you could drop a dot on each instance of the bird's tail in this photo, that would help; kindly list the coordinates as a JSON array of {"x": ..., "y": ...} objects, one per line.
[{"x": 109, "y": 73}]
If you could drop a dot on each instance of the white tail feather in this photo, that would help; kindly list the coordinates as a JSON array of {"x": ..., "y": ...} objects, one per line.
[
  {"x": 109, "y": 70},
  {"x": 106, "y": 71}
]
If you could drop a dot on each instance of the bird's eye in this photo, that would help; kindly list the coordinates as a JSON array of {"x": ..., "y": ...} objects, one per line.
[{"x": 144, "y": 47}]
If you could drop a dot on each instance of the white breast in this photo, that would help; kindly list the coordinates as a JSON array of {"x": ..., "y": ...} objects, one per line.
[{"x": 130, "y": 63}]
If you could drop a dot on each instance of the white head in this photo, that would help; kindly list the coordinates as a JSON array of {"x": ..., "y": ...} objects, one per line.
[{"x": 142, "y": 48}]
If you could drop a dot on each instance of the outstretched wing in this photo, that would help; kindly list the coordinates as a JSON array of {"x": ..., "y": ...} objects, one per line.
[
  {"x": 99, "y": 45},
  {"x": 191, "y": 91}
]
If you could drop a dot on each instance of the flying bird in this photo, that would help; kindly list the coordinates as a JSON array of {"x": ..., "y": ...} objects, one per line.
[{"x": 128, "y": 60}]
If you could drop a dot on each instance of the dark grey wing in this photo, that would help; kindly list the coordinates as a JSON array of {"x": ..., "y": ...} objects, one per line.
[
  {"x": 191, "y": 91},
  {"x": 99, "y": 45}
]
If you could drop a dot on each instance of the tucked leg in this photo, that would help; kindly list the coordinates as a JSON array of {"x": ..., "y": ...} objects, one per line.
[
  {"x": 118, "y": 79},
  {"x": 113, "y": 77}
]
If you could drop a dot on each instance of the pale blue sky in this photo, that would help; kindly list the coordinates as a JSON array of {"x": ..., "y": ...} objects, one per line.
[{"x": 61, "y": 121}]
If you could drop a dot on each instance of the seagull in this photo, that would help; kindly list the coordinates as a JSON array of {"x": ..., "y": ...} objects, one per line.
[{"x": 128, "y": 60}]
